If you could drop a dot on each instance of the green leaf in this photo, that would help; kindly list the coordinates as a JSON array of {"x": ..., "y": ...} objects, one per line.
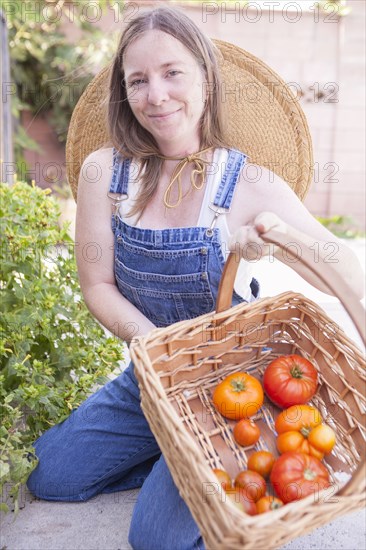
[
  {"x": 53, "y": 353},
  {"x": 4, "y": 470}
]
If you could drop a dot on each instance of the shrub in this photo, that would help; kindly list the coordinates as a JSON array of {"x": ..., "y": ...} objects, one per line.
[{"x": 53, "y": 353}]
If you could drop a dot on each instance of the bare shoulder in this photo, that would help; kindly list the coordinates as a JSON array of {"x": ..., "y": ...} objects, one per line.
[
  {"x": 261, "y": 181},
  {"x": 104, "y": 154},
  {"x": 258, "y": 190},
  {"x": 265, "y": 188},
  {"x": 96, "y": 173}
]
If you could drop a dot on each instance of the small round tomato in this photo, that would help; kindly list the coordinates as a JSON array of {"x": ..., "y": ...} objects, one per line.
[
  {"x": 252, "y": 483},
  {"x": 239, "y": 395},
  {"x": 224, "y": 478},
  {"x": 297, "y": 475},
  {"x": 296, "y": 418},
  {"x": 296, "y": 441},
  {"x": 323, "y": 438},
  {"x": 267, "y": 504},
  {"x": 290, "y": 380},
  {"x": 246, "y": 432},
  {"x": 244, "y": 504},
  {"x": 261, "y": 462}
]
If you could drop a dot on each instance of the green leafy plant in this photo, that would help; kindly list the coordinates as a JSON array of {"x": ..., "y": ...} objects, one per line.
[
  {"x": 335, "y": 7},
  {"x": 342, "y": 226},
  {"x": 53, "y": 353},
  {"x": 49, "y": 72}
]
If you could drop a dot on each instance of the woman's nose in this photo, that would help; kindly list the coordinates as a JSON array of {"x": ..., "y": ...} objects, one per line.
[{"x": 157, "y": 92}]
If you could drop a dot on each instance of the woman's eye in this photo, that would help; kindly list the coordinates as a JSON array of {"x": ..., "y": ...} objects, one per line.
[
  {"x": 173, "y": 73},
  {"x": 136, "y": 83}
]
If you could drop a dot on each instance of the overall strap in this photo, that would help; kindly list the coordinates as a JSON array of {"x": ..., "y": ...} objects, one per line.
[
  {"x": 235, "y": 163},
  {"x": 121, "y": 173},
  {"x": 224, "y": 196}
]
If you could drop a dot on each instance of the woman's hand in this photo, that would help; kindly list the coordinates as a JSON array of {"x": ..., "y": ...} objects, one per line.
[{"x": 247, "y": 239}]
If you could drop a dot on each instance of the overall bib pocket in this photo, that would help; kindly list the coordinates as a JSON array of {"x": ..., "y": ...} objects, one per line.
[{"x": 165, "y": 285}]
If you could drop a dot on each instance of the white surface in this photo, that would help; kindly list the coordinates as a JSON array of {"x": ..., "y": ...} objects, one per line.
[{"x": 276, "y": 277}]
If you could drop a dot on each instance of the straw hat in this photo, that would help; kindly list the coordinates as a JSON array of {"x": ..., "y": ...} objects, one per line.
[{"x": 265, "y": 120}]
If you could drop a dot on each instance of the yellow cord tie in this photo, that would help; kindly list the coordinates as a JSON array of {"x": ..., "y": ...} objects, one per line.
[{"x": 197, "y": 175}]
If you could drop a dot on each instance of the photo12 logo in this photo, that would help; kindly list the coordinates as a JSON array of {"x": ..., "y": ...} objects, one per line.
[
  {"x": 89, "y": 11},
  {"x": 290, "y": 12}
]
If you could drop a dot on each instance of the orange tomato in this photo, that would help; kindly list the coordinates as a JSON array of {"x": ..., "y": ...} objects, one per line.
[
  {"x": 268, "y": 503},
  {"x": 261, "y": 462},
  {"x": 246, "y": 432},
  {"x": 238, "y": 396},
  {"x": 296, "y": 418},
  {"x": 296, "y": 441},
  {"x": 224, "y": 478},
  {"x": 252, "y": 483},
  {"x": 323, "y": 438}
]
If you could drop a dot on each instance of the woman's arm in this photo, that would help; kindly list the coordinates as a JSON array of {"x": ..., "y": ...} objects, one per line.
[
  {"x": 273, "y": 205},
  {"x": 94, "y": 246}
]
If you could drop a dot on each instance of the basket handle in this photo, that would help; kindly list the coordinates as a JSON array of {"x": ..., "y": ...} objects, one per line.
[
  {"x": 323, "y": 270},
  {"x": 330, "y": 278}
]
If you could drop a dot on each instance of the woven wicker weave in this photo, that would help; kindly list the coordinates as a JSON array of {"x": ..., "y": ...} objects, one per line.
[
  {"x": 265, "y": 120},
  {"x": 178, "y": 367}
]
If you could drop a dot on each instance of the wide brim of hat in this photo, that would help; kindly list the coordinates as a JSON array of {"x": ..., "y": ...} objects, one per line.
[{"x": 264, "y": 120}]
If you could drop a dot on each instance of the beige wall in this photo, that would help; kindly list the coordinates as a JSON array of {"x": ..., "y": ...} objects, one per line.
[{"x": 322, "y": 54}]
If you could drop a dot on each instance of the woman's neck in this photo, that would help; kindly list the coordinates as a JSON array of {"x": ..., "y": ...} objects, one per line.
[{"x": 174, "y": 150}]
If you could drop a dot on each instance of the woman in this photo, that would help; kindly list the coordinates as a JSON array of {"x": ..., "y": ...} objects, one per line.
[{"x": 162, "y": 260}]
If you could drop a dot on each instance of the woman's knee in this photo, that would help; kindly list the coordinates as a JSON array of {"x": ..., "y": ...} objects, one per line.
[
  {"x": 55, "y": 476},
  {"x": 45, "y": 483}
]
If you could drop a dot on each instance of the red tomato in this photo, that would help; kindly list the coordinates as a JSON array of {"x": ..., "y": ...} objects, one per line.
[
  {"x": 224, "y": 478},
  {"x": 244, "y": 504},
  {"x": 246, "y": 432},
  {"x": 290, "y": 380},
  {"x": 252, "y": 483},
  {"x": 268, "y": 503},
  {"x": 297, "y": 475},
  {"x": 261, "y": 462},
  {"x": 239, "y": 395}
]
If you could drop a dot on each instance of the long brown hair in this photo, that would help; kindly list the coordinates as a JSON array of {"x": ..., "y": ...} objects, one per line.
[{"x": 127, "y": 135}]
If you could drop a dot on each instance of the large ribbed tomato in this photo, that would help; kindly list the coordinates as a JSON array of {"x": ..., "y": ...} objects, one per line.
[
  {"x": 239, "y": 395},
  {"x": 297, "y": 475},
  {"x": 290, "y": 380}
]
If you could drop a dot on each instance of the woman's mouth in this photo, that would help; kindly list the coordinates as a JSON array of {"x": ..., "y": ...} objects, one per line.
[{"x": 163, "y": 116}]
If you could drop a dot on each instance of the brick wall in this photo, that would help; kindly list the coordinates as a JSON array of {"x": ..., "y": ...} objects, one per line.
[{"x": 325, "y": 60}]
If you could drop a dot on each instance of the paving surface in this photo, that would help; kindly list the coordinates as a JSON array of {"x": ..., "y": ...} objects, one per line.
[{"x": 103, "y": 522}]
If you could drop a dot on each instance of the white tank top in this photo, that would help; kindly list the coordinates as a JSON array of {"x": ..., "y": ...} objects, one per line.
[{"x": 206, "y": 216}]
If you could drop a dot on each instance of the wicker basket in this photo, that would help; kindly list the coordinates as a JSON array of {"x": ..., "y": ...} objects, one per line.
[{"x": 178, "y": 367}]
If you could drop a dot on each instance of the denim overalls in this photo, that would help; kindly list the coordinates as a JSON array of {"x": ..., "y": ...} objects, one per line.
[
  {"x": 172, "y": 275},
  {"x": 106, "y": 444}
]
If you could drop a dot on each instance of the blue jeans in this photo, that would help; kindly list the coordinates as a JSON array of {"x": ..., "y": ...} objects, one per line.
[{"x": 106, "y": 446}]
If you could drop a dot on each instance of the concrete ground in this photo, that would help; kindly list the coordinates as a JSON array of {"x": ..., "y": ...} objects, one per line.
[{"x": 103, "y": 522}]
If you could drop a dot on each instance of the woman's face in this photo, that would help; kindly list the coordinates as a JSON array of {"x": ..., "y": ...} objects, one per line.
[{"x": 165, "y": 90}]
